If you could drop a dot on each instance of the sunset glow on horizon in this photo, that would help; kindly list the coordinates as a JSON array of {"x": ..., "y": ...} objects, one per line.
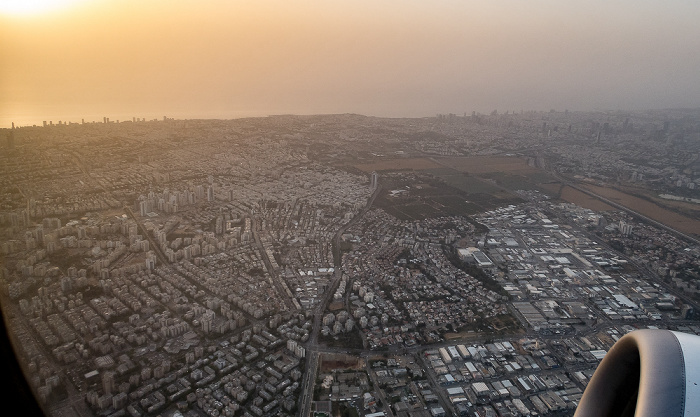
[
  {"x": 395, "y": 58},
  {"x": 34, "y": 7}
]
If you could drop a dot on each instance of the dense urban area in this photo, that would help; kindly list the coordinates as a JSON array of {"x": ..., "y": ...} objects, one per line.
[{"x": 343, "y": 265}]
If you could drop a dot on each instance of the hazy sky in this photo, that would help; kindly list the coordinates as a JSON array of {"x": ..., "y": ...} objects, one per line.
[{"x": 227, "y": 59}]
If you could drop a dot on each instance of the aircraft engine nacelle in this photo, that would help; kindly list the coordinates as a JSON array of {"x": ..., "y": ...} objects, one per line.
[{"x": 647, "y": 373}]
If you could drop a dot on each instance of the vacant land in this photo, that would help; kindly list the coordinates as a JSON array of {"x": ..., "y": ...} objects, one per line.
[
  {"x": 414, "y": 207},
  {"x": 672, "y": 219},
  {"x": 579, "y": 198},
  {"x": 497, "y": 176},
  {"x": 398, "y": 164},
  {"x": 426, "y": 196},
  {"x": 330, "y": 362},
  {"x": 469, "y": 185},
  {"x": 516, "y": 181},
  {"x": 487, "y": 164},
  {"x": 468, "y": 164}
]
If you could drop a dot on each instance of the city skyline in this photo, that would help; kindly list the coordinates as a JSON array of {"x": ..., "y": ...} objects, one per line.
[{"x": 127, "y": 59}]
